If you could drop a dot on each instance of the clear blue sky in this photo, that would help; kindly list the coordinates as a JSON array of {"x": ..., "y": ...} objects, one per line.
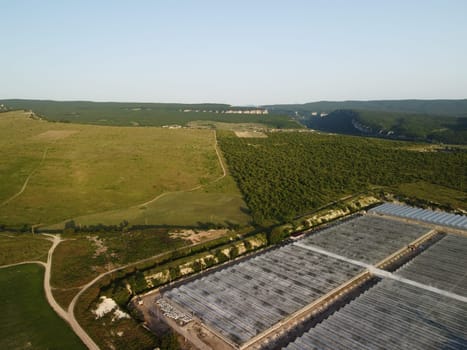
[{"x": 237, "y": 51}]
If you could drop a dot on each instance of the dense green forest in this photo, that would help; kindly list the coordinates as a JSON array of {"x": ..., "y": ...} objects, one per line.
[
  {"x": 407, "y": 126},
  {"x": 143, "y": 114},
  {"x": 456, "y": 108},
  {"x": 417, "y": 126},
  {"x": 288, "y": 174}
]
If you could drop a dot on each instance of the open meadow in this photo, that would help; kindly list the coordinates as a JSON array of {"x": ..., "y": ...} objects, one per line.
[
  {"x": 27, "y": 321},
  {"x": 53, "y": 172},
  {"x": 16, "y": 248}
]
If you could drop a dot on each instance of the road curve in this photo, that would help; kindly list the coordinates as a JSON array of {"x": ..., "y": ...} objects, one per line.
[
  {"x": 71, "y": 308},
  {"x": 56, "y": 239},
  {"x": 70, "y": 319}
]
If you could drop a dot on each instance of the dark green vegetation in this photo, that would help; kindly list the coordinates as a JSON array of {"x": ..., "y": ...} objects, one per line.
[
  {"x": 144, "y": 114},
  {"x": 416, "y": 126},
  {"x": 288, "y": 174},
  {"x": 27, "y": 321},
  {"x": 436, "y": 107},
  {"x": 428, "y": 120},
  {"x": 420, "y": 127},
  {"x": 84, "y": 256}
]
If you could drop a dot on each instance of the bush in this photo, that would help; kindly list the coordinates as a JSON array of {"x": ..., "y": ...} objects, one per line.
[{"x": 169, "y": 341}]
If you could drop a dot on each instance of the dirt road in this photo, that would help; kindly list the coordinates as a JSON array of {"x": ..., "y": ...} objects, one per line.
[{"x": 69, "y": 318}]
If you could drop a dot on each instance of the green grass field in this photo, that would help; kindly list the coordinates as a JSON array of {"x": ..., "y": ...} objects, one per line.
[
  {"x": 94, "y": 171},
  {"x": 21, "y": 247},
  {"x": 218, "y": 203},
  {"x": 27, "y": 321}
]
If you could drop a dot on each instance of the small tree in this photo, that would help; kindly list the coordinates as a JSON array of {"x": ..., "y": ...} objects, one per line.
[
  {"x": 233, "y": 252},
  {"x": 70, "y": 226},
  {"x": 169, "y": 341}
]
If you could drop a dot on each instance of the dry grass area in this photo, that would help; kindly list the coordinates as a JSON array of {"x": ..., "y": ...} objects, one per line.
[
  {"x": 331, "y": 214},
  {"x": 16, "y": 247},
  {"x": 53, "y": 135},
  {"x": 88, "y": 170},
  {"x": 250, "y": 134}
]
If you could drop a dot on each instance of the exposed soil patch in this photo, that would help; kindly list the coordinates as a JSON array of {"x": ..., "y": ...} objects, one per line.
[
  {"x": 53, "y": 135},
  {"x": 100, "y": 247},
  {"x": 250, "y": 134},
  {"x": 195, "y": 236}
]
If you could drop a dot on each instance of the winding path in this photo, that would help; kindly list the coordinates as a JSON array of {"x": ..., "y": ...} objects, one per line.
[
  {"x": 24, "y": 263},
  {"x": 25, "y": 184},
  {"x": 70, "y": 319},
  {"x": 71, "y": 308},
  {"x": 69, "y": 315}
]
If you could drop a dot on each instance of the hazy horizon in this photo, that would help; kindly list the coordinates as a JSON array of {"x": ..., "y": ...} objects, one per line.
[
  {"x": 237, "y": 105},
  {"x": 240, "y": 53}
]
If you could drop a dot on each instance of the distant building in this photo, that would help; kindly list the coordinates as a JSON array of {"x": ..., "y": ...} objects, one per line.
[
  {"x": 232, "y": 111},
  {"x": 247, "y": 111}
]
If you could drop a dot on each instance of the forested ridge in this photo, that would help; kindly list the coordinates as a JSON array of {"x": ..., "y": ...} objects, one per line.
[
  {"x": 143, "y": 114},
  {"x": 288, "y": 174},
  {"x": 456, "y": 108},
  {"x": 402, "y": 126}
]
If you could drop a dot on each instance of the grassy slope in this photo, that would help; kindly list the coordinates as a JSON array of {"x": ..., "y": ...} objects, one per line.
[
  {"x": 218, "y": 202},
  {"x": 27, "y": 321},
  {"x": 21, "y": 247},
  {"x": 97, "y": 168}
]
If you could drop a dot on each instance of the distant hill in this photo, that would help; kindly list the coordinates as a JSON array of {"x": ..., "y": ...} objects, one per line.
[
  {"x": 403, "y": 126},
  {"x": 457, "y": 108},
  {"x": 145, "y": 114}
]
